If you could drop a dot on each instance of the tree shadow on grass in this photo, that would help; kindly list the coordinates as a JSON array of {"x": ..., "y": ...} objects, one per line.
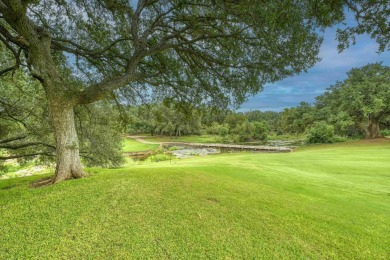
[{"x": 42, "y": 182}]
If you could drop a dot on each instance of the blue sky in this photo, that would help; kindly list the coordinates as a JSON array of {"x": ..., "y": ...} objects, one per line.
[{"x": 306, "y": 86}]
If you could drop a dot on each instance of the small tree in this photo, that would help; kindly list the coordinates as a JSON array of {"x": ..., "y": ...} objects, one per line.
[{"x": 320, "y": 132}]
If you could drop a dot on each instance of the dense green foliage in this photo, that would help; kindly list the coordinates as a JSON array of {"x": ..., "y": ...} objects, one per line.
[
  {"x": 320, "y": 132},
  {"x": 270, "y": 118},
  {"x": 296, "y": 119},
  {"x": 328, "y": 201},
  {"x": 386, "y": 132},
  {"x": 162, "y": 119},
  {"x": 25, "y": 128},
  {"x": 24, "y": 125},
  {"x": 357, "y": 106},
  {"x": 361, "y": 101}
]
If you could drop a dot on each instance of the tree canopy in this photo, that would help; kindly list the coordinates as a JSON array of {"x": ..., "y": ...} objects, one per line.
[{"x": 363, "y": 99}]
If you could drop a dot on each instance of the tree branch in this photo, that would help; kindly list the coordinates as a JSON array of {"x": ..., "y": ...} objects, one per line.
[
  {"x": 19, "y": 41},
  {"x": 6, "y": 70},
  {"x": 24, "y": 155},
  {"x": 19, "y": 146},
  {"x": 11, "y": 139},
  {"x": 80, "y": 50},
  {"x": 135, "y": 22}
]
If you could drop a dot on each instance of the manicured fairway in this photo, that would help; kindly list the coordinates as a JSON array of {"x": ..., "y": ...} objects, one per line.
[
  {"x": 131, "y": 145},
  {"x": 328, "y": 201}
]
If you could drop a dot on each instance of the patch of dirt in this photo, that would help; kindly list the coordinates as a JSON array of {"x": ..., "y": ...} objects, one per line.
[{"x": 213, "y": 200}]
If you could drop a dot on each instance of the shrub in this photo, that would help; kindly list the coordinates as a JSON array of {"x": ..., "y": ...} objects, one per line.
[
  {"x": 242, "y": 133},
  {"x": 320, "y": 132},
  {"x": 385, "y": 132},
  {"x": 218, "y": 129},
  {"x": 254, "y": 131},
  {"x": 260, "y": 131},
  {"x": 235, "y": 138},
  {"x": 159, "y": 157},
  {"x": 174, "y": 148}
]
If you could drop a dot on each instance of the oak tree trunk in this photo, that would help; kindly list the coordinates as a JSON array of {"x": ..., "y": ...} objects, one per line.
[
  {"x": 373, "y": 130},
  {"x": 67, "y": 144}
]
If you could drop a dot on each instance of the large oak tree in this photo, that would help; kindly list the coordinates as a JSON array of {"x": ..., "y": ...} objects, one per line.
[
  {"x": 216, "y": 51},
  {"x": 363, "y": 99}
]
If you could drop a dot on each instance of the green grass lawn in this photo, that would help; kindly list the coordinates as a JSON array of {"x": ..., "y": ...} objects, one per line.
[
  {"x": 186, "y": 138},
  {"x": 131, "y": 145},
  {"x": 327, "y": 201}
]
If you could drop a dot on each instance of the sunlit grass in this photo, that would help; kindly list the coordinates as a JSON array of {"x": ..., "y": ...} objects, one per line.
[
  {"x": 131, "y": 145},
  {"x": 327, "y": 201}
]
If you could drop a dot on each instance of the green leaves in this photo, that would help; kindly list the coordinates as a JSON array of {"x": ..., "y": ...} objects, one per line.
[
  {"x": 363, "y": 98},
  {"x": 372, "y": 18}
]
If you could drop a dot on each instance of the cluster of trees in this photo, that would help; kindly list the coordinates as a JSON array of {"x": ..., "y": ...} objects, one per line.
[
  {"x": 164, "y": 119},
  {"x": 357, "y": 106},
  {"x": 216, "y": 52},
  {"x": 174, "y": 121}
]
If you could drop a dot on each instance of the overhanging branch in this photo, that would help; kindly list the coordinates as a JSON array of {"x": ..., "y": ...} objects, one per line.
[
  {"x": 24, "y": 155},
  {"x": 14, "y": 138},
  {"x": 24, "y": 145}
]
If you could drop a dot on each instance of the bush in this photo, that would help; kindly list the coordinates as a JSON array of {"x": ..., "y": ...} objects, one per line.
[
  {"x": 159, "y": 157},
  {"x": 218, "y": 129},
  {"x": 385, "y": 132},
  {"x": 320, "y": 133},
  {"x": 242, "y": 133},
  {"x": 255, "y": 131},
  {"x": 260, "y": 131},
  {"x": 174, "y": 148}
]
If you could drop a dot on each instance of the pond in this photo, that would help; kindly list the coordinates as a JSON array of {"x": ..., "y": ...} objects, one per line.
[
  {"x": 180, "y": 152},
  {"x": 189, "y": 152},
  {"x": 284, "y": 143},
  {"x": 185, "y": 151}
]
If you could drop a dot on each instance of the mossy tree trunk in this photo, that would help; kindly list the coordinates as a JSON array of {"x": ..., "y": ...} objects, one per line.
[{"x": 67, "y": 144}]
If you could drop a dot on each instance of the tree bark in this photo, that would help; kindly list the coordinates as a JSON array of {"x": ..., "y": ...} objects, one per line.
[
  {"x": 373, "y": 130},
  {"x": 67, "y": 144}
]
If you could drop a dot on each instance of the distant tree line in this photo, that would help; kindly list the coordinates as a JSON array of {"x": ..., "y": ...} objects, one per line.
[
  {"x": 175, "y": 121},
  {"x": 356, "y": 107}
]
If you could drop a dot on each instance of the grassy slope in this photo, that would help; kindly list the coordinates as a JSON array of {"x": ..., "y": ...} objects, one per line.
[
  {"x": 329, "y": 201},
  {"x": 131, "y": 145}
]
